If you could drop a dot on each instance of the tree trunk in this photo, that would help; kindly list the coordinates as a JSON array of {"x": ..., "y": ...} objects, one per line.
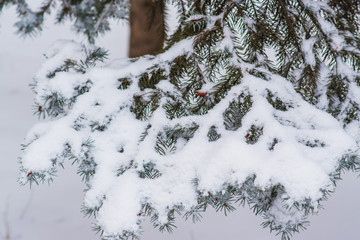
[{"x": 147, "y": 27}]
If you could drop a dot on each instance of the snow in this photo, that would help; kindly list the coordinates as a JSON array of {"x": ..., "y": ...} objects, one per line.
[
  {"x": 307, "y": 47},
  {"x": 124, "y": 192},
  {"x": 43, "y": 212},
  {"x": 302, "y": 170},
  {"x": 156, "y": 191}
]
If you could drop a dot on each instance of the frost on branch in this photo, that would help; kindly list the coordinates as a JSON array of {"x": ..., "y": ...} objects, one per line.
[
  {"x": 91, "y": 16},
  {"x": 212, "y": 121}
]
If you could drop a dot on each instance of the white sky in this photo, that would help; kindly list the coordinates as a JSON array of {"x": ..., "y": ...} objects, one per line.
[{"x": 53, "y": 212}]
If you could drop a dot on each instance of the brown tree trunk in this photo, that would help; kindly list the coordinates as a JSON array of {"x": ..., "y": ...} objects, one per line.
[{"x": 147, "y": 27}]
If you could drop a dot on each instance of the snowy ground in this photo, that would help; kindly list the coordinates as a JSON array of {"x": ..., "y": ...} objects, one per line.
[{"x": 53, "y": 212}]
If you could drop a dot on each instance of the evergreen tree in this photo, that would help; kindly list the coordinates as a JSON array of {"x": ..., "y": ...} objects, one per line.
[
  {"x": 91, "y": 17},
  {"x": 250, "y": 101}
]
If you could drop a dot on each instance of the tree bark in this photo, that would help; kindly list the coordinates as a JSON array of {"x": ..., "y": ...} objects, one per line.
[{"x": 147, "y": 27}]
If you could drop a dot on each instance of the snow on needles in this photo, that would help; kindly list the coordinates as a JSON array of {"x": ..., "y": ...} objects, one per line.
[{"x": 299, "y": 147}]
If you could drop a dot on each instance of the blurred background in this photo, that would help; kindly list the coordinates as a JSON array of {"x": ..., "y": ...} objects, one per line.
[{"x": 53, "y": 212}]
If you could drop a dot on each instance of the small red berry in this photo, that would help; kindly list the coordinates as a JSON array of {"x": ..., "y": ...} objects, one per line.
[
  {"x": 197, "y": 19},
  {"x": 201, "y": 94},
  {"x": 29, "y": 173}
]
